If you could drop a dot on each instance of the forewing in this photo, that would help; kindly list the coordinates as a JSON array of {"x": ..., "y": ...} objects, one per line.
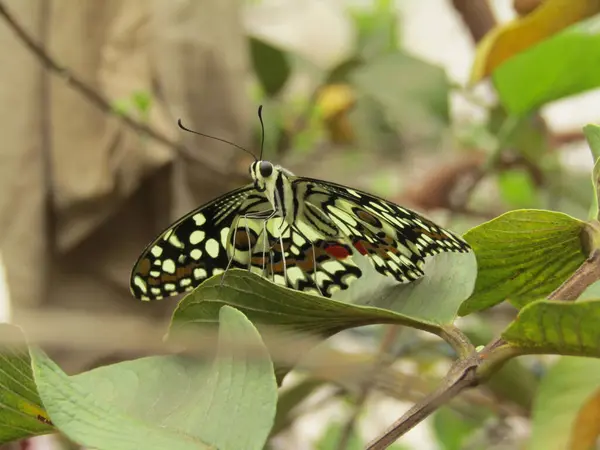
[
  {"x": 195, "y": 247},
  {"x": 395, "y": 239}
]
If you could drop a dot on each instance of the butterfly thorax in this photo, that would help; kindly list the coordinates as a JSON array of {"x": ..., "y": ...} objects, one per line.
[{"x": 274, "y": 181}]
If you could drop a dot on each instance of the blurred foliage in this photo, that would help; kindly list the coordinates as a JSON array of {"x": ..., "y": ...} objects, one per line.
[
  {"x": 507, "y": 40},
  {"x": 371, "y": 113}
]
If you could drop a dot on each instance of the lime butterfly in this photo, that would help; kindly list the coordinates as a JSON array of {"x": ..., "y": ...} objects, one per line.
[{"x": 295, "y": 231}]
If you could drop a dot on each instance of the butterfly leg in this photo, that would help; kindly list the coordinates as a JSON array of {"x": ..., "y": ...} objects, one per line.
[
  {"x": 265, "y": 216},
  {"x": 234, "y": 249}
]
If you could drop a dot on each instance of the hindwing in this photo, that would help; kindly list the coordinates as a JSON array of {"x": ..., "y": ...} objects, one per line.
[{"x": 299, "y": 257}]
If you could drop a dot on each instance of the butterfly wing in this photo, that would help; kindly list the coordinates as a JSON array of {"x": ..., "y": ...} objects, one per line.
[
  {"x": 195, "y": 247},
  {"x": 396, "y": 240},
  {"x": 299, "y": 257}
]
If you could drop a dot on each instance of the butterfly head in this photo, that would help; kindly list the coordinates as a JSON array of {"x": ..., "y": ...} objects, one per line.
[{"x": 262, "y": 172}]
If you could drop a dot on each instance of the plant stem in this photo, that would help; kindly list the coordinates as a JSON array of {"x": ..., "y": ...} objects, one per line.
[
  {"x": 457, "y": 340},
  {"x": 460, "y": 377},
  {"x": 585, "y": 275}
]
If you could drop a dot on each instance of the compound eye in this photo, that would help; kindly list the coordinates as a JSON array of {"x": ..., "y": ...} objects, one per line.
[{"x": 266, "y": 169}]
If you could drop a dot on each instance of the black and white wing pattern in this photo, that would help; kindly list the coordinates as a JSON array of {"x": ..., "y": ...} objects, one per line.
[
  {"x": 395, "y": 240},
  {"x": 238, "y": 230},
  {"x": 300, "y": 257},
  {"x": 195, "y": 247},
  {"x": 310, "y": 249}
]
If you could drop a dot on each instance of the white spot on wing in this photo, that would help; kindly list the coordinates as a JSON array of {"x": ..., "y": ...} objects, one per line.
[
  {"x": 196, "y": 237},
  {"x": 156, "y": 251},
  {"x": 212, "y": 247},
  {"x": 168, "y": 266},
  {"x": 196, "y": 254},
  {"x": 333, "y": 266},
  {"x": 199, "y": 219},
  {"x": 174, "y": 241},
  {"x": 224, "y": 236},
  {"x": 141, "y": 284},
  {"x": 199, "y": 273}
]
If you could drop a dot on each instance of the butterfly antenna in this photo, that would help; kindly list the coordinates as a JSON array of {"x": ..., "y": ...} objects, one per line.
[
  {"x": 262, "y": 127},
  {"x": 215, "y": 138}
]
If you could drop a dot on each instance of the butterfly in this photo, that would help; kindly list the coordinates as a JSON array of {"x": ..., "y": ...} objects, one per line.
[{"x": 295, "y": 231}]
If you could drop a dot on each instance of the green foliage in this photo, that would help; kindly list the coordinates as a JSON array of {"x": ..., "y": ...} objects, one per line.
[
  {"x": 523, "y": 255},
  {"x": 545, "y": 72},
  {"x": 163, "y": 402},
  {"x": 412, "y": 94},
  {"x": 556, "y": 327},
  {"x": 137, "y": 105},
  {"x": 331, "y": 438},
  {"x": 271, "y": 66},
  {"x": 377, "y": 28},
  {"x": 592, "y": 133},
  {"x": 22, "y": 413},
  {"x": 517, "y": 189},
  {"x": 415, "y": 304},
  {"x": 452, "y": 429},
  {"x": 562, "y": 393}
]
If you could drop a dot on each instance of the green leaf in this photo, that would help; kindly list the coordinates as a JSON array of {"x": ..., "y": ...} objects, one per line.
[
  {"x": 452, "y": 429},
  {"x": 142, "y": 100},
  {"x": 592, "y": 134},
  {"x": 427, "y": 304},
  {"x": 562, "y": 393},
  {"x": 270, "y": 65},
  {"x": 331, "y": 439},
  {"x": 565, "y": 328},
  {"x": 21, "y": 411},
  {"x": 172, "y": 402},
  {"x": 412, "y": 93},
  {"x": 545, "y": 71},
  {"x": 522, "y": 256},
  {"x": 517, "y": 189},
  {"x": 592, "y": 292},
  {"x": 377, "y": 28}
]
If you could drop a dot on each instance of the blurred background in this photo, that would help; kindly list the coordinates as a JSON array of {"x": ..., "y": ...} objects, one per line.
[{"x": 393, "y": 97}]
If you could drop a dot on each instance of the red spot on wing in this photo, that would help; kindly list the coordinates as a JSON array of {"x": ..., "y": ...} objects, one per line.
[
  {"x": 358, "y": 245},
  {"x": 337, "y": 251}
]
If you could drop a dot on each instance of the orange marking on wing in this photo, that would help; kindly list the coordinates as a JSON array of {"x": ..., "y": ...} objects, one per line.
[
  {"x": 437, "y": 236},
  {"x": 143, "y": 268},
  {"x": 383, "y": 251}
]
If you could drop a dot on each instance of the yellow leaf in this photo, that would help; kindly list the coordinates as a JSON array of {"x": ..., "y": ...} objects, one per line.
[
  {"x": 586, "y": 428},
  {"x": 334, "y": 102},
  {"x": 334, "y": 99},
  {"x": 506, "y": 40}
]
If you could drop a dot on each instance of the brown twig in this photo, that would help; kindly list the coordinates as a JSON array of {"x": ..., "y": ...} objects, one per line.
[
  {"x": 83, "y": 88},
  {"x": 460, "y": 377}
]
